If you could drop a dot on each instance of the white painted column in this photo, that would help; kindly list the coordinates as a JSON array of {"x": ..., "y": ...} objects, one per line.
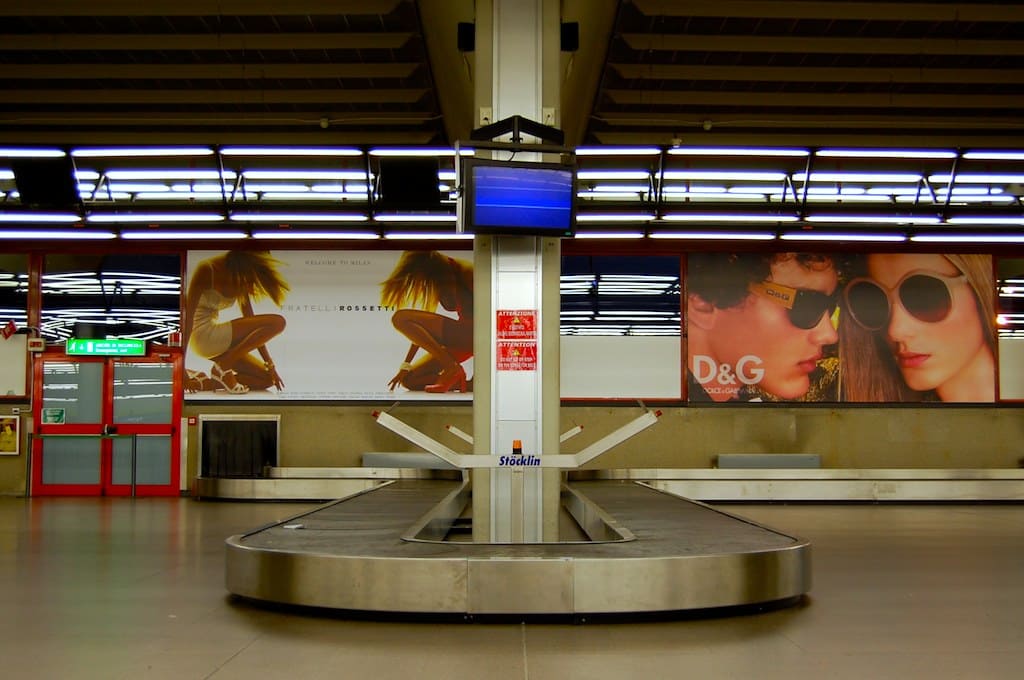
[{"x": 520, "y": 504}]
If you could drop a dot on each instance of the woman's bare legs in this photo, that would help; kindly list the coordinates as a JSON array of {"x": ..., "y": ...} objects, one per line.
[
  {"x": 433, "y": 333},
  {"x": 247, "y": 334}
]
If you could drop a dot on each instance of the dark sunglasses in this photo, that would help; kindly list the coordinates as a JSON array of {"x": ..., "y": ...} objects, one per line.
[
  {"x": 926, "y": 296},
  {"x": 805, "y": 307}
]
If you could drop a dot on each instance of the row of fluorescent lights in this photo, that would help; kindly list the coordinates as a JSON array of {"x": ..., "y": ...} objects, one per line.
[
  {"x": 760, "y": 152},
  {"x": 255, "y": 151},
  {"x": 960, "y": 194},
  {"x": 684, "y": 235}
]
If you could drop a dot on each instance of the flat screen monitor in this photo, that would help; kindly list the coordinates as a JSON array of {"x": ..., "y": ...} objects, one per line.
[{"x": 515, "y": 197}]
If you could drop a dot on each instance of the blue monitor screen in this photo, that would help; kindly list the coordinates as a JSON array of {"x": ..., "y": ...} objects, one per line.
[{"x": 520, "y": 198}]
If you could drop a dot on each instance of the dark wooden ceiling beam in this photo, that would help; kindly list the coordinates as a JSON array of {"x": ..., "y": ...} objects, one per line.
[
  {"x": 732, "y": 119},
  {"x": 806, "y": 45},
  {"x": 261, "y": 136},
  {"x": 121, "y": 42},
  {"x": 89, "y": 71},
  {"x": 814, "y": 9},
  {"x": 811, "y": 74},
  {"x": 158, "y": 8},
  {"x": 314, "y": 118},
  {"x": 217, "y": 96},
  {"x": 811, "y": 99},
  {"x": 890, "y": 137}
]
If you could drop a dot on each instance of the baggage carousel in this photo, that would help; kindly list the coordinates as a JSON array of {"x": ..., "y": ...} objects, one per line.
[{"x": 401, "y": 546}]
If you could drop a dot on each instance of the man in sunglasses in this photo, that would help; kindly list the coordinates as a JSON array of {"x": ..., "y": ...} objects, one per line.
[{"x": 759, "y": 325}]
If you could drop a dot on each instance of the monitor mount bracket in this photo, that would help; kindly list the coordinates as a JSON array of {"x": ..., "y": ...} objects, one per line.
[{"x": 551, "y": 139}]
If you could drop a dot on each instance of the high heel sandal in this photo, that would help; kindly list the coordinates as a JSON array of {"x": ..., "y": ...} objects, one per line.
[
  {"x": 449, "y": 381},
  {"x": 221, "y": 376},
  {"x": 197, "y": 381}
]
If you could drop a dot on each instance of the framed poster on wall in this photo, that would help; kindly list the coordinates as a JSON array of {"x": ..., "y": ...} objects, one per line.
[{"x": 10, "y": 435}]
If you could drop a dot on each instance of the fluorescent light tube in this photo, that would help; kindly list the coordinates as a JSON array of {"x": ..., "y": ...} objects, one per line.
[
  {"x": 304, "y": 174},
  {"x": 719, "y": 175},
  {"x": 163, "y": 174},
  {"x": 414, "y": 218},
  {"x": 160, "y": 235},
  {"x": 412, "y": 235},
  {"x": 289, "y": 151},
  {"x": 713, "y": 217},
  {"x": 976, "y": 178},
  {"x": 672, "y": 189},
  {"x": 298, "y": 217},
  {"x": 609, "y": 234},
  {"x": 31, "y": 153},
  {"x": 632, "y": 188},
  {"x": 415, "y": 151},
  {"x": 613, "y": 174},
  {"x": 1017, "y": 220},
  {"x": 713, "y": 235},
  {"x": 614, "y": 217},
  {"x": 735, "y": 151},
  {"x": 618, "y": 151},
  {"x": 90, "y": 234},
  {"x": 873, "y": 219},
  {"x": 994, "y": 155},
  {"x": 858, "y": 177},
  {"x": 135, "y": 188},
  {"x": 288, "y": 234},
  {"x": 608, "y": 195},
  {"x": 141, "y": 151},
  {"x": 154, "y": 217},
  {"x": 167, "y": 197},
  {"x": 968, "y": 238},
  {"x": 885, "y": 153},
  {"x": 54, "y": 218},
  {"x": 814, "y": 236}
]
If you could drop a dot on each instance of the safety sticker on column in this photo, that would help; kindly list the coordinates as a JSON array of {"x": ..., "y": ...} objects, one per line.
[
  {"x": 516, "y": 324},
  {"x": 517, "y": 356}
]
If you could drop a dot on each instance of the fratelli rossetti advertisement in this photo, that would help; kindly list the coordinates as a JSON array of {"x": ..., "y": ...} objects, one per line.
[
  {"x": 876, "y": 327},
  {"x": 329, "y": 325}
]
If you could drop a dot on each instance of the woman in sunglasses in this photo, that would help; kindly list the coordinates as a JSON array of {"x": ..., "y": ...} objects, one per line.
[{"x": 918, "y": 327}]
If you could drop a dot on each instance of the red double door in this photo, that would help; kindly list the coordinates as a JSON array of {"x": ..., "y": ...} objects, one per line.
[{"x": 106, "y": 426}]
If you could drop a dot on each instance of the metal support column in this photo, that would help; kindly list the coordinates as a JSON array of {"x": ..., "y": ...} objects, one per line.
[{"x": 519, "y": 504}]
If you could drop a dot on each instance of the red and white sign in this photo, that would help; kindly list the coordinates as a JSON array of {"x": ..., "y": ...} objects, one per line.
[
  {"x": 517, "y": 356},
  {"x": 516, "y": 324}
]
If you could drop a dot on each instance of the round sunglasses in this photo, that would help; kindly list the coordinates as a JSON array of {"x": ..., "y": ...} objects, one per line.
[
  {"x": 804, "y": 307},
  {"x": 926, "y": 296}
]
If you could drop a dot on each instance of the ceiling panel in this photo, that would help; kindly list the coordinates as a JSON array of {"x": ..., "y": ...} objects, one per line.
[
  {"x": 312, "y": 72},
  {"x": 892, "y": 73},
  {"x": 690, "y": 72}
]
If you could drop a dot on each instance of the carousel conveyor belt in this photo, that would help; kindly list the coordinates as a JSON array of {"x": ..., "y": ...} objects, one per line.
[{"x": 354, "y": 554}]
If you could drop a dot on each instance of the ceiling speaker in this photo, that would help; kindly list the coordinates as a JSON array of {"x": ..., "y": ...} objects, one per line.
[
  {"x": 46, "y": 182},
  {"x": 408, "y": 184},
  {"x": 467, "y": 36},
  {"x": 570, "y": 36}
]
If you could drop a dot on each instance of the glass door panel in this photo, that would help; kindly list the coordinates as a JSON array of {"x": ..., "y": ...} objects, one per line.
[
  {"x": 142, "y": 392},
  {"x": 152, "y": 458},
  {"x": 68, "y": 448},
  {"x": 72, "y": 460},
  {"x": 72, "y": 392}
]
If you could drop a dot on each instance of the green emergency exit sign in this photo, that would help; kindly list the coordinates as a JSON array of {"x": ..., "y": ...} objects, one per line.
[{"x": 108, "y": 347}]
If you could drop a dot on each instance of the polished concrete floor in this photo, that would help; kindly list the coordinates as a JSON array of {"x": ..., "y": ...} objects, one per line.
[{"x": 121, "y": 588}]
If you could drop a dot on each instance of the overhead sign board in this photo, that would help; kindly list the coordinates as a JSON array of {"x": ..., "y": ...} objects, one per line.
[{"x": 105, "y": 347}]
